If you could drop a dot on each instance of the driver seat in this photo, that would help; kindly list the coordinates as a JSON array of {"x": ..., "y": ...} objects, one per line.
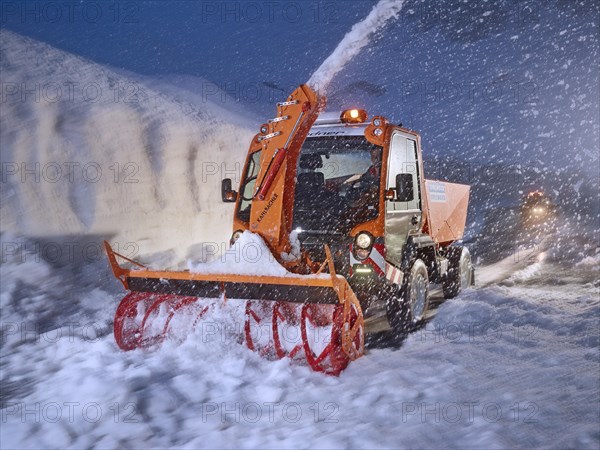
[
  {"x": 309, "y": 183},
  {"x": 309, "y": 187}
]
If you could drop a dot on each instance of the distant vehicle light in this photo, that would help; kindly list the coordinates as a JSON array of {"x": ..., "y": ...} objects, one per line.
[{"x": 354, "y": 116}]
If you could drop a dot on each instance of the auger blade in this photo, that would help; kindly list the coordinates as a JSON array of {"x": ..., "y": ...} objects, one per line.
[
  {"x": 313, "y": 318},
  {"x": 145, "y": 319}
]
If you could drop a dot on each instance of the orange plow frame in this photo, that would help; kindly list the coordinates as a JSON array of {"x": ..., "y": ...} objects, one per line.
[{"x": 348, "y": 325}]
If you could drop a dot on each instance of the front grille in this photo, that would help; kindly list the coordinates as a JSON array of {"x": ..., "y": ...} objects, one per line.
[{"x": 313, "y": 243}]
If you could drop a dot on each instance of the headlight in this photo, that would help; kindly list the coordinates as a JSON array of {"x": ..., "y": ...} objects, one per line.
[
  {"x": 235, "y": 236},
  {"x": 364, "y": 240}
]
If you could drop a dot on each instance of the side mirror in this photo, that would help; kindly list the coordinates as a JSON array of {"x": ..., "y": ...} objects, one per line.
[
  {"x": 228, "y": 195},
  {"x": 404, "y": 187}
]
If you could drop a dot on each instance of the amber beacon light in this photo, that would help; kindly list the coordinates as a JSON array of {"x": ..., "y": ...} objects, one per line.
[{"x": 354, "y": 116}]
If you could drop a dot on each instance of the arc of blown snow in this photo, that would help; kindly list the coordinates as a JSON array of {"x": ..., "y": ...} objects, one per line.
[{"x": 353, "y": 42}]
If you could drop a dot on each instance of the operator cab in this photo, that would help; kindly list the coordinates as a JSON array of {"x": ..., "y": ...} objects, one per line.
[
  {"x": 337, "y": 182},
  {"x": 358, "y": 185}
]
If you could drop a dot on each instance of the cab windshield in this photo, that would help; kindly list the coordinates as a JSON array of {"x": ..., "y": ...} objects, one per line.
[{"x": 338, "y": 182}]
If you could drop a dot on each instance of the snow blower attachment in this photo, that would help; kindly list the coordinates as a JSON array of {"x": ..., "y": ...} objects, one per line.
[
  {"x": 326, "y": 303},
  {"x": 342, "y": 205},
  {"x": 145, "y": 316}
]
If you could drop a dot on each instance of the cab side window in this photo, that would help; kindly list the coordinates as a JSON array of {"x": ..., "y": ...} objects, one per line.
[
  {"x": 247, "y": 190},
  {"x": 403, "y": 159}
]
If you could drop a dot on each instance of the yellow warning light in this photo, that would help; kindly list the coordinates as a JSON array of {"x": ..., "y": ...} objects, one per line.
[{"x": 354, "y": 116}]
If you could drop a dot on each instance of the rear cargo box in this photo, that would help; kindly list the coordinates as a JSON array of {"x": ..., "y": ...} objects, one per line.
[{"x": 447, "y": 210}]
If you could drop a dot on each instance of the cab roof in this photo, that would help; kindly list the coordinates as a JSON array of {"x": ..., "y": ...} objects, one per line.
[{"x": 329, "y": 124}]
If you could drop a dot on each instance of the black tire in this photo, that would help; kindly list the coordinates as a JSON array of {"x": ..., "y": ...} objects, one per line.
[
  {"x": 459, "y": 275},
  {"x": 406, "y": 307}
]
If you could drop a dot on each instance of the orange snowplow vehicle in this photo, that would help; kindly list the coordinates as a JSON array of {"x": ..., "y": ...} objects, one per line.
[{"x": 342, "y": 204}]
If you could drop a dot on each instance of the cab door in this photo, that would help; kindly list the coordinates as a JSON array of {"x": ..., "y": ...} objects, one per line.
[{"x": 401, "y": 217}]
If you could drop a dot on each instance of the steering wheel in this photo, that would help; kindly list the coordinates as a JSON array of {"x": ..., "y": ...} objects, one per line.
[{"x": 244, "y": 188}]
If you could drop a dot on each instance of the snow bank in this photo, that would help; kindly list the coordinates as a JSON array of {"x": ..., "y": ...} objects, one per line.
[
  {"x": 87, "y": 150},
  {"x": 592, "y": 262},
  {"x": 526, "y": 273}
]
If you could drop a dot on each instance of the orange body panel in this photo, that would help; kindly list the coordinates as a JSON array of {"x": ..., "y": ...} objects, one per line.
[
  {"x": 331, "y": 279},
  {"x": 271, "y": 217},
  {"x": 446, "y": 211}
]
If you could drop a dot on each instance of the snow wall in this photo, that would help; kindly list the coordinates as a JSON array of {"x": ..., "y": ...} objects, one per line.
[{"x": 88, "y": 150}]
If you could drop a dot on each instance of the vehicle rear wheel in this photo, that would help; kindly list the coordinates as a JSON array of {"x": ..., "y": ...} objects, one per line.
[
  {"x": 459, "y": 275},
  {"x": 407, "y": 307}
]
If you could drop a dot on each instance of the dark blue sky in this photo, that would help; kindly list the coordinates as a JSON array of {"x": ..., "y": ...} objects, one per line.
[
  {"x": 218, "y": 40},
  {"x": 514, "y": 81}
]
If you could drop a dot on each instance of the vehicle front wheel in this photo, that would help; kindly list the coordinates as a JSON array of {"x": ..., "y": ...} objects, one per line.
[{"x": 407, "y": 308}]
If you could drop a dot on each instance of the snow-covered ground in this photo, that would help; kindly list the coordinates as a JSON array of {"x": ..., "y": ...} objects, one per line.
[{"x": 513, "y": 363}]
